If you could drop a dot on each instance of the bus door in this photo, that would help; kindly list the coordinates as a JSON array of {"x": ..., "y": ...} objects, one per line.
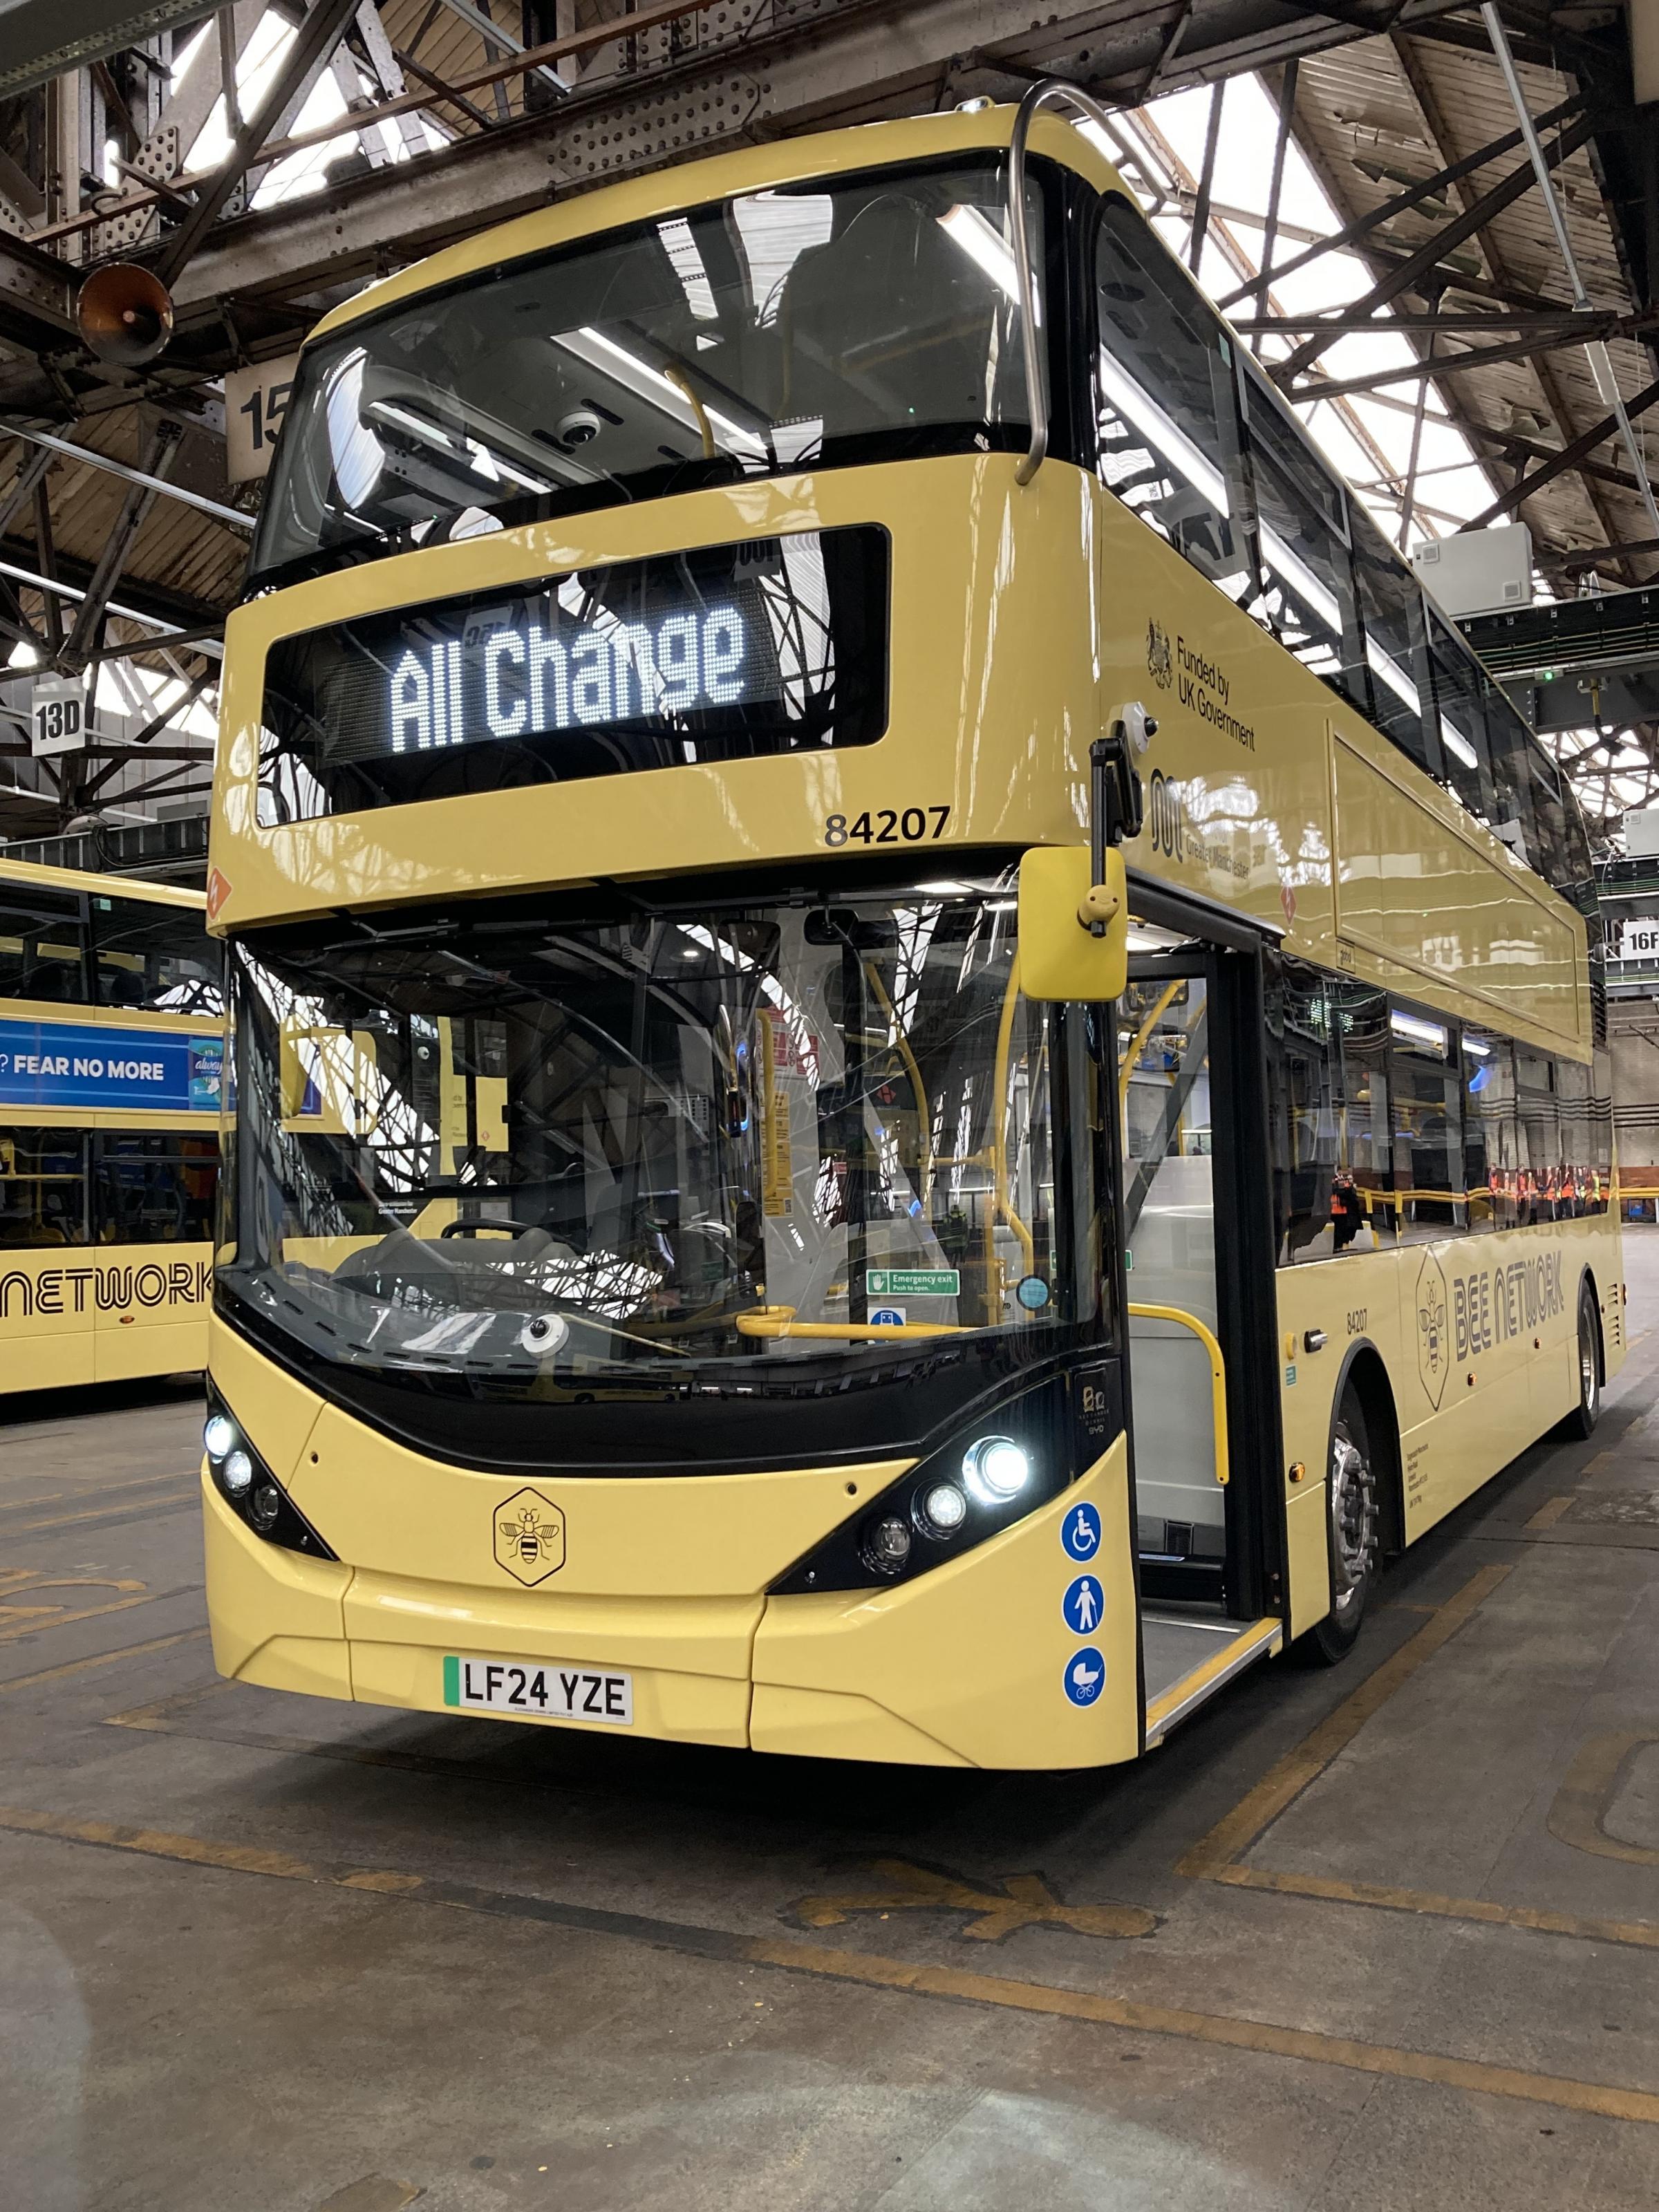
[{"x": 1198, "y": 1253}]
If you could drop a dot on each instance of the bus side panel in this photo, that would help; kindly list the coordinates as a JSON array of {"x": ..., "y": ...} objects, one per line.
[
  {"x": 977, "y": 1656},
  {"x": 1349, "y": 1302},
  {"x": 46, "y": 1318},
  {"x": 1491, "y": 1352},
  {"x": 152, "y": 1309}
]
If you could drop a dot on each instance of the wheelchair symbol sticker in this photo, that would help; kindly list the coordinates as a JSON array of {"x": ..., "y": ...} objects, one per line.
[
  {"x": 1080, "y": 1532},
  {"x": 1081, "y": 1606},
  {"x": 1085, "y": 1675}
]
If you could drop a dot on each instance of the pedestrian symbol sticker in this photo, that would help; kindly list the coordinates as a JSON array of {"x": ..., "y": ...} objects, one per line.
[
  {"x": 1081, "y": 1606},
  {"x": 1085, "y": 1675},
  {"x": 1080, "y": 1532}
]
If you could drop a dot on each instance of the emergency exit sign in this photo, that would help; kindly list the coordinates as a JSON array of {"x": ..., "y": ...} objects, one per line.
[{"x": 912, "y": 1283}]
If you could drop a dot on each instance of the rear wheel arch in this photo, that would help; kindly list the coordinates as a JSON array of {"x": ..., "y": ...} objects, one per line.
[
  {"x": 1364, "y": 1372},
  {"x": 1587, "y": 1280}
]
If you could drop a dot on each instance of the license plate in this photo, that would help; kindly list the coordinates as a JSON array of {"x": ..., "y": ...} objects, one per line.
[{"x": 539, "y": 1690}]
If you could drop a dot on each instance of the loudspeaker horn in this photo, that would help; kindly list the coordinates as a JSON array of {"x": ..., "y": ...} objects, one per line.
[{"x": 125, "y": 313}]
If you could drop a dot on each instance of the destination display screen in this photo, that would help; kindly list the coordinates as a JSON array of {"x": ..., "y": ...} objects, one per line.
[{"x": 771, "y": 646}]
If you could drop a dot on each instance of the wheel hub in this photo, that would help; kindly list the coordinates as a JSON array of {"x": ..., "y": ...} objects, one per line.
[{"x": 1353, "y": 1517}]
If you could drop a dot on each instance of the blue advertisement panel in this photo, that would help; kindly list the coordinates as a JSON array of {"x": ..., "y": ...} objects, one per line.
[{"x": 59, "y": 1064}]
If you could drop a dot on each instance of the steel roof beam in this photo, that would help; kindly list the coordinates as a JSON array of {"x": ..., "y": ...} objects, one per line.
[
  {"x": 314, "y": 42},
  {"x": 1403, "y": 203},
  {"x": 843, "y": 65},
  {"x": 1569, "y": 457}
]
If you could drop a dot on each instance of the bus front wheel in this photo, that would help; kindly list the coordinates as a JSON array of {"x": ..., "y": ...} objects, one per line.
[
  {"x": 1353, "y": 1532},
  {"x": 1581, "y": 1422}
]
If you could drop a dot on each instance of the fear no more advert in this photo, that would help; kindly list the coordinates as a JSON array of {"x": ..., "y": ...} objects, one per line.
[{"x": 61, "y": 1064}]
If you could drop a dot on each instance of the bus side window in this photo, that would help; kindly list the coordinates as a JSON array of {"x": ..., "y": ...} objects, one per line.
[
  {"x": 1428, "y": 1128},
  {"x": 1490, "y": 1140},
  {"x": 1572, "y": 1098},
  {"x": 1167, "y": 406},
  {"x": 1312, "y": 1202},
  {"x": 156, "y": 956},
  {"x": 1391, "y": 610},
  {"x": 41, "y": 946},
  {"x": 154, "y": 1187},
  {"x": 1601, "y": 1131},
  {"x": 1541, "y": 1135},
  {"x": 42, "y": 1188},
  {"x": 1308, "y": 602},
  {"x": 1464, "y": 751}
]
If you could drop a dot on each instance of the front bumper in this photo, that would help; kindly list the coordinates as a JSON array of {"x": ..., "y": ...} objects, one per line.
[{"x": 962, "y": 1666}]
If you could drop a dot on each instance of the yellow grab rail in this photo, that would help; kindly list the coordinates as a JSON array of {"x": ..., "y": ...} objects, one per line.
[
  {"x": 780, "y": 1321},
  {"x": 1217, "y": 1374}
]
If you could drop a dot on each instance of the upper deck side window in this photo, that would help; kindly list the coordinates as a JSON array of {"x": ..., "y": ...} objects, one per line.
[
  {"x": 1166, "y": 405},
  {"x": 42, "y": 944},
  {"x": 850, "y": 318},
  {"x": 1193, "y": 438},
  {"x": 156, "y": 955}
]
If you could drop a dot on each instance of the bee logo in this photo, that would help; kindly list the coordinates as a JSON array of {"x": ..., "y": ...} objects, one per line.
[
  {"x": 1432, "y": 1351},
  {"x": 529, "y": 1533}
]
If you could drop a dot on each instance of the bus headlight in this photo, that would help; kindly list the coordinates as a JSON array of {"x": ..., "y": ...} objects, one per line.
[
  {"x": 1018, "y": 1455},
  {"x": 249, "y": 1488},
  {"x": 941, "y": 1509},
  {"x": 995, "y": 1469},
  {"x": 887, "y": 1544}
]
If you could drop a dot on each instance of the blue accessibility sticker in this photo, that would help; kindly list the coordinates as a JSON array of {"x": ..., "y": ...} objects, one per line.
[
  {"x": 1085, "y": 1675},
  {"x": 1082, "y": 1605},
  {"x": 1080, "y": 1532}
]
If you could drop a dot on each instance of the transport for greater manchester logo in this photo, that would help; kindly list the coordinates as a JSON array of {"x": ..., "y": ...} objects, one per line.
[
  {"x": 1433, "y": 1353},
  {"x": 529, "y": 1536}
]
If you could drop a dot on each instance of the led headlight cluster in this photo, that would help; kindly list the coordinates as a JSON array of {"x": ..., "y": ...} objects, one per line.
[
  {"x": 250, "y": 1489},
  {"x": 981, "y": 1481}
]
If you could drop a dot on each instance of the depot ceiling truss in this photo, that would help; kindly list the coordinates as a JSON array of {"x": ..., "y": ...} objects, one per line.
[{"x": 459, "y": 112}]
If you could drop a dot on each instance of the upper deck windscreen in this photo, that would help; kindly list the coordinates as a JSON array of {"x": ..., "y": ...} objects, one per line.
[{"x": 830, "y": 322}]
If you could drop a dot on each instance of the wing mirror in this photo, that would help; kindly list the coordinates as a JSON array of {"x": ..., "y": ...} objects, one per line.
[{"x": 1073, "y": 899}]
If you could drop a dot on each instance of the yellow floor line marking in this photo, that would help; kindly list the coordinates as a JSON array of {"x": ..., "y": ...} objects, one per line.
[
  {"x": 1640, "y": 1934},
  {"x": 1548, "y": 1515},
  {"x": 27, "y": 1580},
  {"x": 159, "y": 1715},
  {"x": 101, "y": 1659},
  {"x": 1469, "y": 2074},
  {"x": 1233, "y": 1836},
  {"x": 87, "y": 1612},
  {"x": 1581, "y": 1803},
  {"x": 100, "y": 1512},
  {"x": 1475, "y": 2075},
  {"x": 1026, "y": 1901}
]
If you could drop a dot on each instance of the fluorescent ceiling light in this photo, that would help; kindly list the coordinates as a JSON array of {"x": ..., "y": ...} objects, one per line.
[
  {"x": 965, "y": 226},
  {"x": 1411, "y": 1030}
]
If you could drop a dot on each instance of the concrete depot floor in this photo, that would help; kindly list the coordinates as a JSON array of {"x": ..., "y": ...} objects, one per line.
[{"x": 1383, "y": 1936}]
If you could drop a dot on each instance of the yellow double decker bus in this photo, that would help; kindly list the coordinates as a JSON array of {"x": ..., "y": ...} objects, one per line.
[
  {"x": 112, "y": 1066},
  {"x": 917, "y": 1053}
]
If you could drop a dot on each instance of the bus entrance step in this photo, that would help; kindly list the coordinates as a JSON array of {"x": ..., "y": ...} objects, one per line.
[{"x": 1188, "y": 1659}]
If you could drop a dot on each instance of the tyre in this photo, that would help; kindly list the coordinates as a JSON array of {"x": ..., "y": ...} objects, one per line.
[
  {"x": 1353, "y": 1535},
  {"x": 1581, "y": 1422}
]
